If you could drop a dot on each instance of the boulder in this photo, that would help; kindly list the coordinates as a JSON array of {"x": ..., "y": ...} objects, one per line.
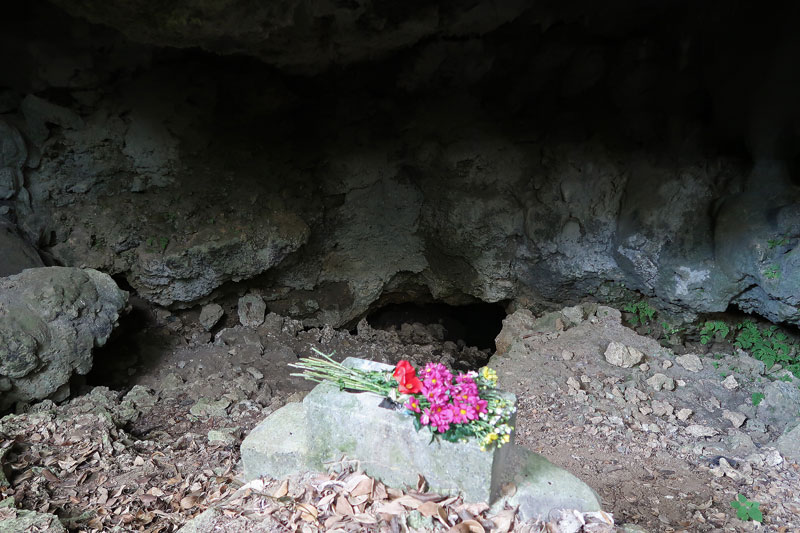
[
  {"x": 252, "y": 310},
  {"x": 50, "y": 320},
  {"x": 623, "y": 356},
  {"x": 514, "y": 326},
  {"x": 690, "y": 362},
  {"x": 331, "y": 424},
  {"x": 210, "y": 316},
  {"x": 789, "y": 444}
]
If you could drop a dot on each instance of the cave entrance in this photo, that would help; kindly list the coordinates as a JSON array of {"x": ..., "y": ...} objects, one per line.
[{"x": 474, "y": 324}]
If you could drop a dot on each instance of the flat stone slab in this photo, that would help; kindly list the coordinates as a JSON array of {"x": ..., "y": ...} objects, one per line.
[{"x": 331, "y": 425}]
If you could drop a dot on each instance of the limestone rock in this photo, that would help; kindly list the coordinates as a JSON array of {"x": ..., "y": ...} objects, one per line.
[
  {"x": 18, "y": 520},
  {"x": 661, "y": 408},
  {"x": 697, "y": 430},
  {"x": 331, "y": 423},
  {"x": 210, "y": 315},
  {"x": 515, "y": 325},
  {"x": 16, "y": 254},
  {"x": 623, "y": 356},
  {"x": 660, "y": 381},
  {"x": 690, "y": 362},
  {"x": 223, "y": 435},
  {"x": 281, "y": 33},
  {"x": 684, "y": 414},
  {"x": 206, "y": 407},
  {"x": 50, "y": 320},
  {"x": 252, "y": 310},
  {"x": 730, "y": 383},
  {"x": 780, "y": 405},
  {"x": 789, "y": 444},
  {"x": 736, "y": 418}
]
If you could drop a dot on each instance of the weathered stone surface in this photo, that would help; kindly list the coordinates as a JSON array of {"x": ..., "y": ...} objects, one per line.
[
  {"x": 278, "y": 446},
  {"x": 699, "y": 431},
  {"x": 16, "y": 254},
  {"x": 207, "y": 407},
  {"x": 789, "y": 443},
  {"x": 210, "y": 315},
  {"x": 252, "y": 310},
  {"x": 330, "y": 424},
  {"x": 623, "y": 356},
  {"x": 690, "y": 362},
  {"x": 781, "y": 404},
  {"x": 660, "y": 381},
  {"x": 223, "y": 435},
  {"x": 285, "y": 33},
  {"x": 136, "y": 175},
  {"x": 541, "y": 486},
  {"x": 50, "y": 319},
  {"x": 24, "y": 520},
  {"x": 735, "y": 417},
  {"x": 515, "y": 325}
]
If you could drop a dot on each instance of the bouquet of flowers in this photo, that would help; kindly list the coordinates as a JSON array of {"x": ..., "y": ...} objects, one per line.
[{"x": 454, "y": 408}]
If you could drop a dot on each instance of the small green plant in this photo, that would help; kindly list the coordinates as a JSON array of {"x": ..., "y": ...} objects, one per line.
[
  {"x": 712, "y": 329},
  {"x": 154, "y": 244},
  {"x": 774, "y": 243},
  {"x": 768, "y": 345},
  {"x": 642, "y": 312},
  {"x": 756, "y": 398},
  {"x": 772, "y": 272},
  {"x": 671, "y": 329},
  {"x": 747, "y": 510}
]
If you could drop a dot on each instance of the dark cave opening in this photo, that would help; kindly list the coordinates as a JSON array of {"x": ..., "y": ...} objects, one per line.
[
  {"x": 474, "y": 324},
  {"x": 115, "y": 361}
]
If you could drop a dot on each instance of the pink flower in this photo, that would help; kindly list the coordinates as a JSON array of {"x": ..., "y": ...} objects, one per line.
[
  {"x": 463, "y": 412},
  {"x": 413, "y": 405}
]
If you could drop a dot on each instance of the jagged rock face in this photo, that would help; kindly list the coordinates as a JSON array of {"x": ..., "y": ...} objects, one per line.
[
  {"x": 307, "y": 35},
  {"x": 456, "y": 169},
  {"x": 50, "y": 320}
]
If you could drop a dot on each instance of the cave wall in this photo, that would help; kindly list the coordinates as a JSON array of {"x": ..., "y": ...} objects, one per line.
[{"x": 539, "y": 155}]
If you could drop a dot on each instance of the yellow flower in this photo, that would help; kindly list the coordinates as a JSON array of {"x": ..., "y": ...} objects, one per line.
[
  {"x": 506, "y": 438},
  {"x": 492, "y": 437}
]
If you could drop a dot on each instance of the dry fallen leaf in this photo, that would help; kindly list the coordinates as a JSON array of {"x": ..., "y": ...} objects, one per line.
[
  {"x": 190, "y": 500},
  {"x": 467, "y": 526},
  {"x": 282, "y": 490},
  {"x": 428, "y": 509},
  {"x": 307, "y": 512},
  {"x": 409, "y": 501},
  {"x": 503, "y": 521},
  {"x": 343, "y": 507},
  {"x": 390, "y": 508},
  {"x": 363, "y": 488},
  {"x": 365, "y": 519}
]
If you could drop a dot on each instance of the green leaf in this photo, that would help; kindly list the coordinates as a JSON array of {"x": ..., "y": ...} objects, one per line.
[
  {"x": 742, "y": 513},
  {"x": 756, "y": 398},
  {"x": 742, "y": 498},
  {"x": 755, "y": 513}
]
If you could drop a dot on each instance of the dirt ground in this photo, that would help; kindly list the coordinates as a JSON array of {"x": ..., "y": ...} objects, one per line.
[{"x": 157, "y": 444}]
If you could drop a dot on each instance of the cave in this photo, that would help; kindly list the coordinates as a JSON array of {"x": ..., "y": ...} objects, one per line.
[
  {"x": 194, "y": 195},
  {"x": 472, "y": 324}
]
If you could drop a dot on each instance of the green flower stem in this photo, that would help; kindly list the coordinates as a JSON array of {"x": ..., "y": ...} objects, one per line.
[{"x": 326, "y": 369}]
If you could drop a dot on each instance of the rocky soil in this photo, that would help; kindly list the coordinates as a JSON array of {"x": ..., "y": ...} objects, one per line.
[{"x": 162, "y": 449}]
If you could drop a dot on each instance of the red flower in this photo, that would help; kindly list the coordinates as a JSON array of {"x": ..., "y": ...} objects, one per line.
[{"x": 407, "y": 378}]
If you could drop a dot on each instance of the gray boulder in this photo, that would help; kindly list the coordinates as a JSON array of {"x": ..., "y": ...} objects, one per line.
[
  {"x": 252, "y": 310},
  {"x": 210, "y": 315},
  {"x": 50, "y": 320},
  {"x": 789, "y": 444}
]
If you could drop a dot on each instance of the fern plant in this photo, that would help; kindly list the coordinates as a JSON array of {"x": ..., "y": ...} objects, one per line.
[{"x": 713, "y": 329}]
